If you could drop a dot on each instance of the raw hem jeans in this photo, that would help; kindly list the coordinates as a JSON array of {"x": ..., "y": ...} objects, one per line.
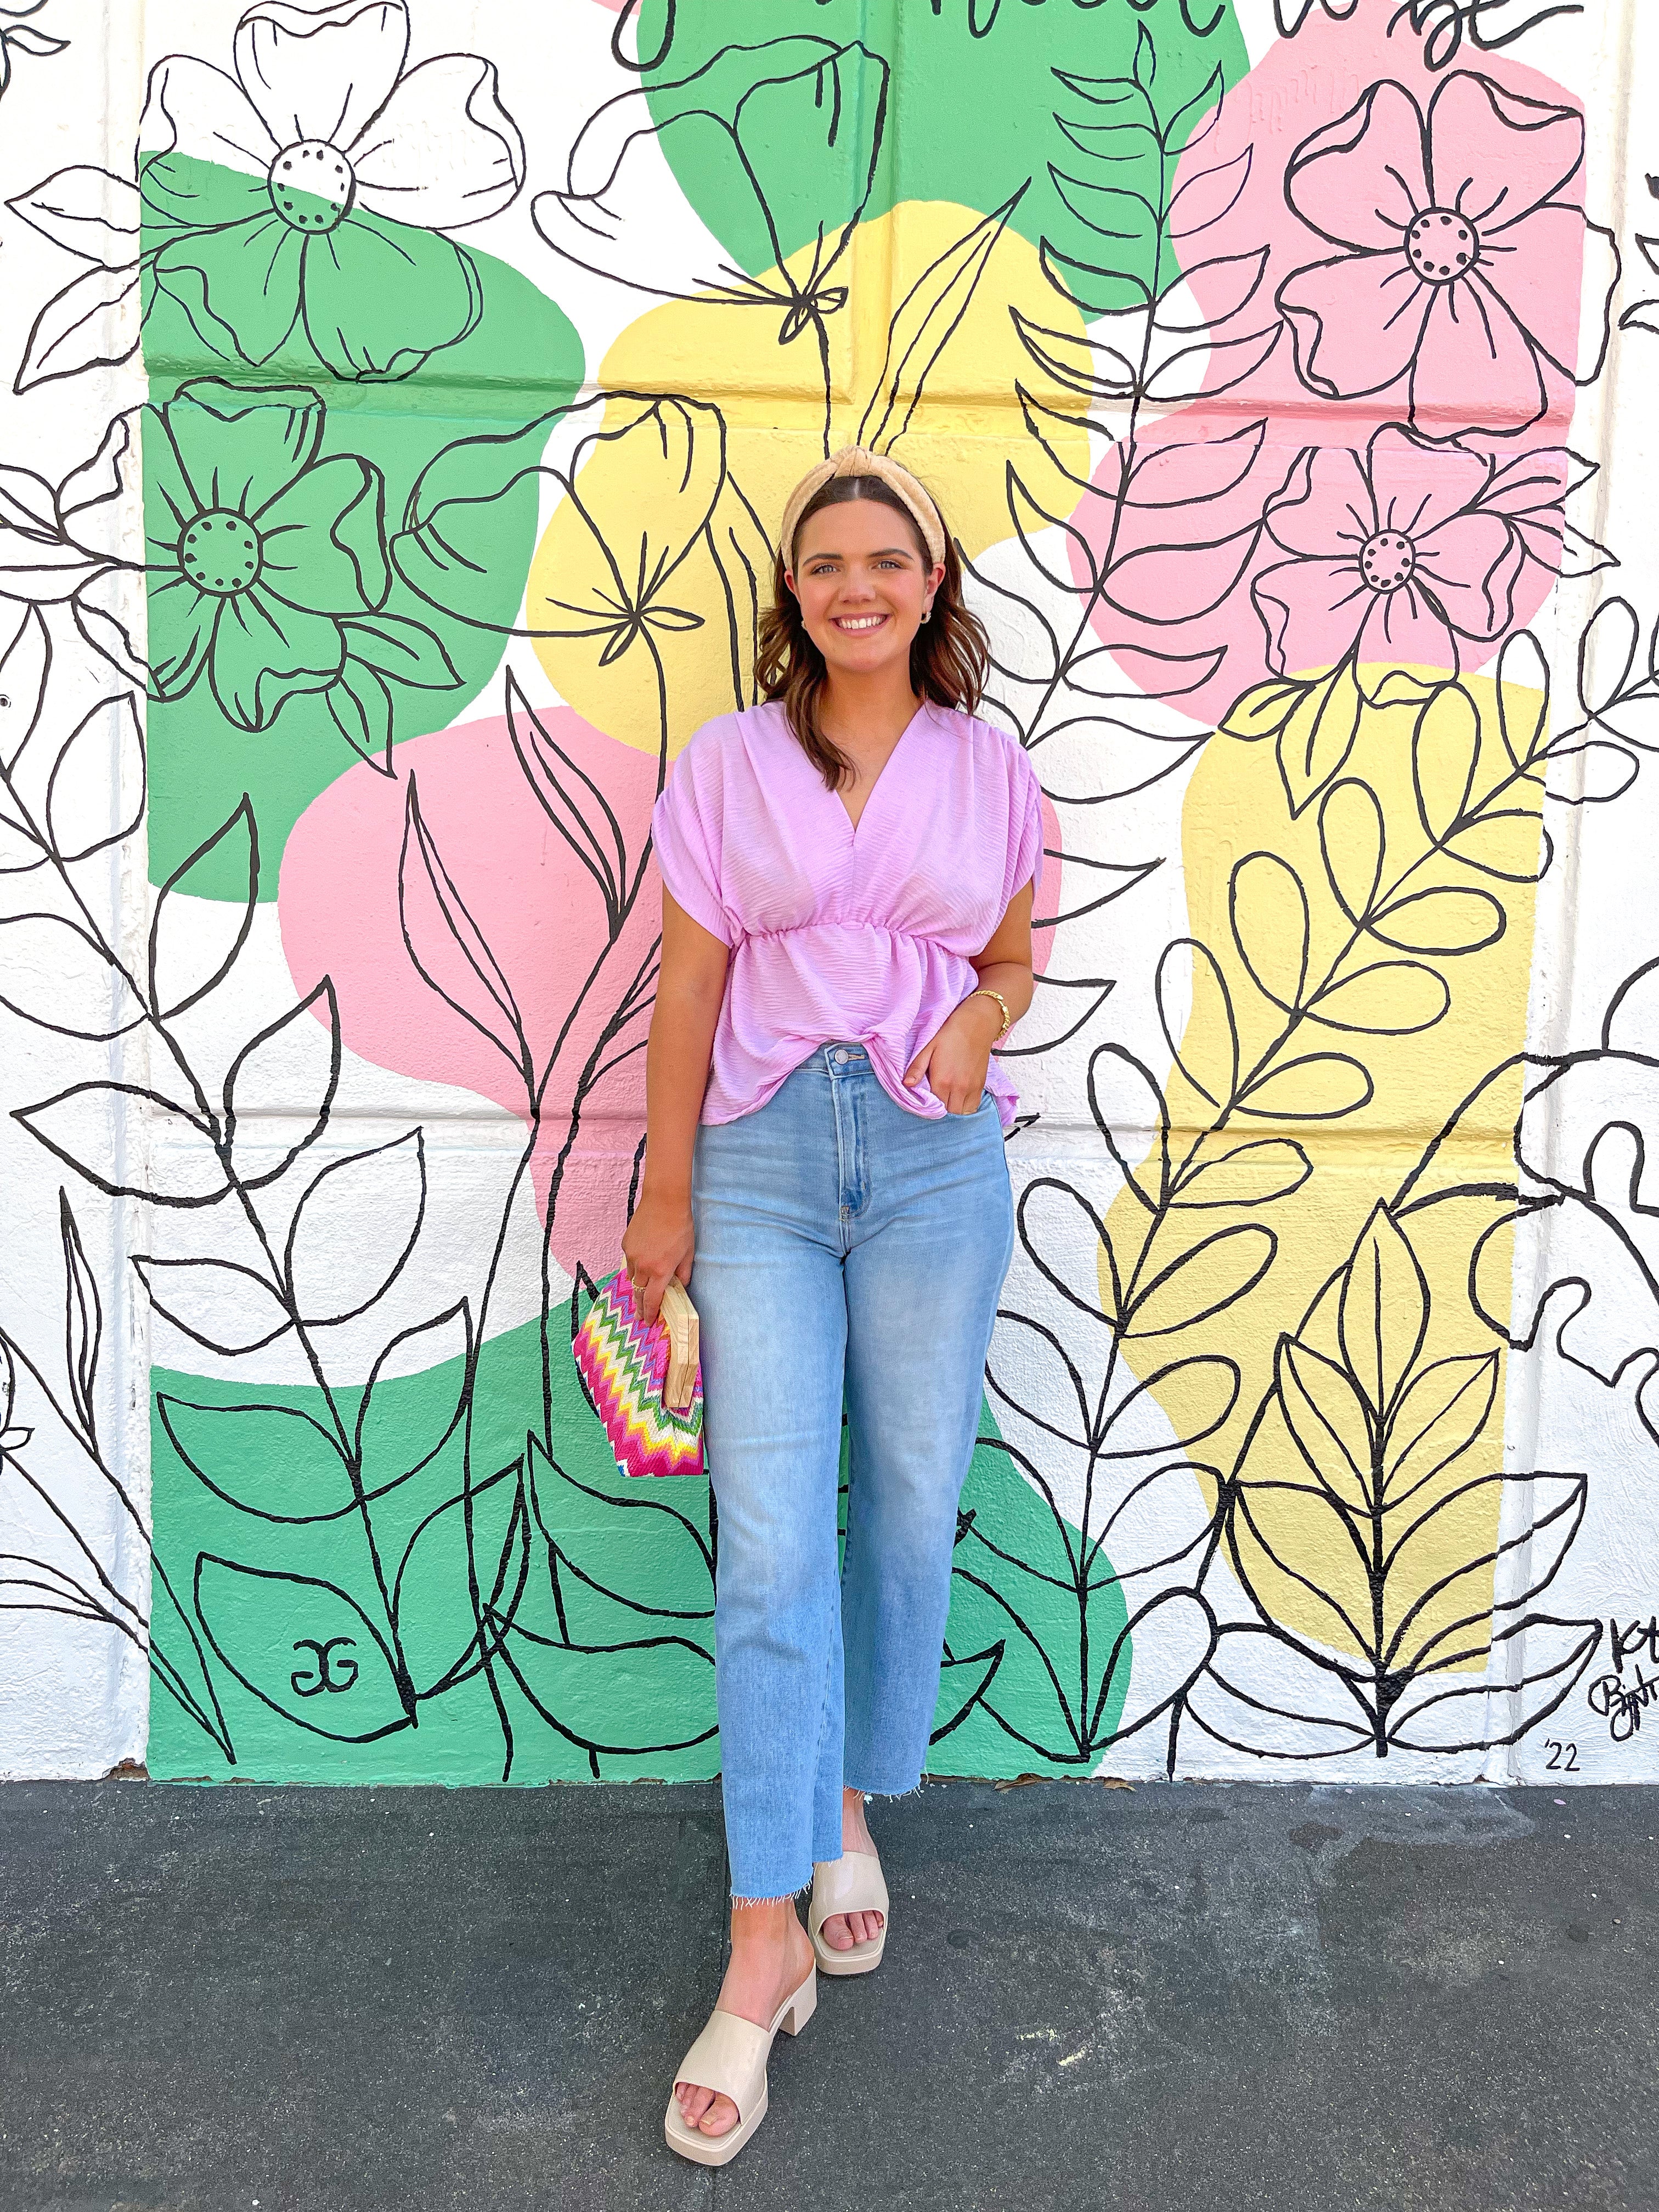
[{"x": 844, "y": 1245}]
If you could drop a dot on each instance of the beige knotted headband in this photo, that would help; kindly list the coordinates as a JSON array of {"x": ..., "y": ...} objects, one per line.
[{"x": 859, "y": 461}]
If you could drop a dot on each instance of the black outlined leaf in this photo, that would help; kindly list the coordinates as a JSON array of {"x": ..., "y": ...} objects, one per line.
[
  {"x": 1207, "y": 1279},
  {"x": 1181, "y": 473},
  {"x": 1255, "y": 1173},
  {"x": 478, "y": 1531},
  {"x": 449, "y": 949},
  {"x": 1089, "y": 367},
  {"x": 962, "y": 1683},
  {"x": 90, "y": 212},
  {"x": 83, "y": 1322},
  {"x": 1100, "y": 671},
  {"x": 1181, "y": 130},
  {"x": 1317, "y": 739},
  {"x": 404, "y": 650},
  {"x": 1445, "y": 748},
  {"x": 93, "y": 322},
  {"x": 218, "y": 1304},
  {"x": 303, "y": 1647},
  {"x": 1449, "y": 1714},
  {"x": 1263, "y": 711},
  {"x": 59, "y": 976},
  {"x": 292, "y": 1049},
  {"x": 559, "y": 783},
  {"x": 29, "y": 505},
  {"x": 1083, "y": 1241},
  {"x": 187, "y": 959},
  {"x": 1607, "y": 648},
  {"x": 1212, "y": 1017},
  {"x": 273, "y": 1462},
  {"x": 360, "y": 705},
  {"x": 1596, "y": 773},
  {"x": 1268, "y": 907},
  {"x": 1232, "y": 279},
  {"x": 1206, "y": 1386},
  {"x": 1384, "y": 1310},
  {"x": 354, "y": 1229},
  {"x": 76, "y": 1125},
  {"x": 388, "y": 1444},
  {"x": 1442, "y": 1414},
  {"x": 1329, "y": 1423},
  {"x": 630, "y": 1545},
  {"x": 1209, "y": 196},
  {"x": 1510, "y": 843},
  {"x": 652, "y": 1694},
  {"x": 100, "y": 761},
  {"x": 1387, "y": 998},
  {"x": 25, "y": 660},
  {"x": 1448, "y": 922},
  {"x": 105, "y": 477},
  {"x": 1125, "y": 1099},
  {"x": 1316, "y": 1086},
  {"x": 1353, "y": 843},
  {"x": 923, "y": 324}
]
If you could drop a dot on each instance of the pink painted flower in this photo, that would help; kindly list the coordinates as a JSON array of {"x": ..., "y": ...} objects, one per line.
[
  {"x": 1455, "y": 230},
  {"x": 1395, "y": 557}
]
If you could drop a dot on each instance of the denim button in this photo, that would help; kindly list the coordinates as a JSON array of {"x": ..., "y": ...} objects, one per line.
[{"x": 840, "y": 1056}]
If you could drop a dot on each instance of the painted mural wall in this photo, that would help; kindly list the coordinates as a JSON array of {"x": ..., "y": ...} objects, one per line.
[{"x": 401, "y": 397}]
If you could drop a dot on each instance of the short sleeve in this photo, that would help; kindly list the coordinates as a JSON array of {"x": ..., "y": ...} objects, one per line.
[
  {"x": 1024, "y": 825},
  {"x": 686, "y": 835}
]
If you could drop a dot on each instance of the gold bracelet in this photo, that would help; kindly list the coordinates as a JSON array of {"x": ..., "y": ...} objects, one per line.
[{"x": 984, "y": 991}]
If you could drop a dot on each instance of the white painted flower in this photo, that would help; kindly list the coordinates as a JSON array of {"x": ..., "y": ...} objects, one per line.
[{"x": 308, "y": 190}]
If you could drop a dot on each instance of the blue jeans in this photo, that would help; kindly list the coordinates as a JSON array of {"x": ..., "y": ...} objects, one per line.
[{"x": 844, "y": 1247}]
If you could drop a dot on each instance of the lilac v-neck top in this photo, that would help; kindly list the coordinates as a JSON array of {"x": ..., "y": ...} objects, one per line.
[{"x": 841, "y": 934}]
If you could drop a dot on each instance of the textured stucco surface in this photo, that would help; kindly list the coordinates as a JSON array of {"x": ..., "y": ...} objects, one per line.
[{"x": 1319, "y": 1432}]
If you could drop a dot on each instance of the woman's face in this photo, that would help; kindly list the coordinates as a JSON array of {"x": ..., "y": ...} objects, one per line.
[{"x": 863, "y": 582}]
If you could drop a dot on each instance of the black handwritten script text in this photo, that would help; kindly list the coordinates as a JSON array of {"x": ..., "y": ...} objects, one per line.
[{"x": 1620, "y": 1700}]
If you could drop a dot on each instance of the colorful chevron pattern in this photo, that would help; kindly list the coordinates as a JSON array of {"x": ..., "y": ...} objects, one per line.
[{"x": 622, "y": 1364}]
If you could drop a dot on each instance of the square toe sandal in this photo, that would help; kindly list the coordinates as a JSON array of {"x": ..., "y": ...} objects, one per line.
[
  {"x": 730, "y": 2058},
  {"x": 852, "y": 1883}
]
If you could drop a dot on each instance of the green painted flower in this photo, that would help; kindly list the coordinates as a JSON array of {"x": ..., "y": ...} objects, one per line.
[
  {"x": 258, "y": 554},
  {"x": 305, "y": 197}
]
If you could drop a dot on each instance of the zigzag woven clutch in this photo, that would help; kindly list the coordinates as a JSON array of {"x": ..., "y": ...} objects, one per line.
[{"x": 645, "y": 1384}]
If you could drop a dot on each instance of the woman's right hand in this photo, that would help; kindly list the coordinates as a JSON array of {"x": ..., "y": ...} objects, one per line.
[{"x": 658, "y": 1241}]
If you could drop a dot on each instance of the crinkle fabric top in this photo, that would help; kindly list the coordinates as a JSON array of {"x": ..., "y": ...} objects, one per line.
[{"x": 841, "y": 934}]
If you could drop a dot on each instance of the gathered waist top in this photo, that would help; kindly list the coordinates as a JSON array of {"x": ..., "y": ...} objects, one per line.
[{"x": 835, "y": 932}]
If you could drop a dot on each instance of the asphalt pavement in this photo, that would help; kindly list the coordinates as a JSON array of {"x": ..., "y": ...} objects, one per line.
[{"x": 1178, "y": 1998}]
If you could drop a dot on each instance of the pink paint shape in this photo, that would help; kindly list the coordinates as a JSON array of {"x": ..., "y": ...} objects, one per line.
[
  {"x": 1339, "y": 145},
  {"x": 530, "y": 910}
]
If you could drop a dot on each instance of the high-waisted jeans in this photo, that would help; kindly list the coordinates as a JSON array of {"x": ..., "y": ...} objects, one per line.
[{"x": 845, "y": 1247}]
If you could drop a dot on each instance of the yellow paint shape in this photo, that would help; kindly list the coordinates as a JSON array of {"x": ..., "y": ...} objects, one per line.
[
  {"x": 1249, "y": 867},
  {"x": 929, "y": 290}
]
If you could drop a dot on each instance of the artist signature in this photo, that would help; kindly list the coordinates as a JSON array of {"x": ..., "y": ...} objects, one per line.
[{"x": 1619, "y": 1702}]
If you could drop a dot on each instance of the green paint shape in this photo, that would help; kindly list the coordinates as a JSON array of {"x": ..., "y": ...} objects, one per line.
[
  {"x": 833, "y": 110},
  {"x": 607, "y": 1668},
  {"x": 465, "y": 345},
  {"x": 609, "y": 1594}
]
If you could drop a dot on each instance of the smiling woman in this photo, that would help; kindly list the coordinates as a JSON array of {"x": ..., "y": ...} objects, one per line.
[{"x": 848, "y": 870}]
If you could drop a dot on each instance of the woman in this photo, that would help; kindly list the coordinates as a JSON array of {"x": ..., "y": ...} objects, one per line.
[{"x": 848, "y": 875}]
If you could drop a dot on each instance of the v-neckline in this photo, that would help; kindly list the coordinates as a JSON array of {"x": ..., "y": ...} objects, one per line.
[{"x": 870, "y": 796}]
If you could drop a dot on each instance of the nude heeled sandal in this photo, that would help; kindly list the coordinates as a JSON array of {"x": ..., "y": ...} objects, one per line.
[
  {"x": 730, "y": 2058},
  {"x": 852, "y": 1883}
]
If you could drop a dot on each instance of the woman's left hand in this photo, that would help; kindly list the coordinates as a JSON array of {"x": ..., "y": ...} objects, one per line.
[{"x": 956, "y": 1057}]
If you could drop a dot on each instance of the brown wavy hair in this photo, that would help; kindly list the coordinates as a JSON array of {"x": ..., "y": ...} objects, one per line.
[{"x": 950, "y": 653}]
